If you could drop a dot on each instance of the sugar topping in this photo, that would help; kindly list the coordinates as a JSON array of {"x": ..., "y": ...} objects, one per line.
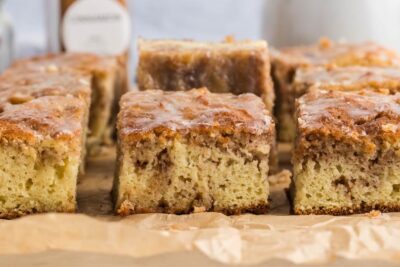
[
  {"x": 196, "y": 109},
  {"x": 349, "y": 114},
  {"x": 348, "y": 76},
  {"x": 339, "y": 54}
]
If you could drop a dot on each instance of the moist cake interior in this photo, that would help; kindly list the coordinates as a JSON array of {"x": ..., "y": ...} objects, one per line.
[{"x": 347, "y": 153}]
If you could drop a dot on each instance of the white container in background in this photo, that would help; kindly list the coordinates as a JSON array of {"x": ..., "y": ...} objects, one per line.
[
  {"x": 98, "y": 26},
  {"x": 101, "y": 27},
  {"x": 104, "y": 31},
  {"x": 6, "y": 39},
  {"x": 293, "y": 22}
]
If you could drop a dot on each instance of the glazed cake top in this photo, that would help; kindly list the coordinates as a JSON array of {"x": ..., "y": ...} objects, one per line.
[
  {"x": 69, "y": 61},
  {"x": 156, "y": 111},
  {"x": 44, "y": 82},
  {"x": 47, "y": 117},
  {"x": 327, "y": 52},
  {"x": 348, "y": 78},
  {"x": 188, "y": 46},
  {"x": 37, "y": 105},
  {"x": 350, "y": 117}
]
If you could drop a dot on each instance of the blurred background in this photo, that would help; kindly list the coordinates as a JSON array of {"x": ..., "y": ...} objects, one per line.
[{"x": 281, "y": 22}]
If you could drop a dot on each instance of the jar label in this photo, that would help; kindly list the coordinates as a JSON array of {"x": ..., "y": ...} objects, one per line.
[{"x": 97, "y": 26}]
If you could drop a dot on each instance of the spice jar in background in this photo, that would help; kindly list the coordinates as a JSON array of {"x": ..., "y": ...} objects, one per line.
[
  {"x": 6, "y": 39},
  {"x": 97, "y": 26}
]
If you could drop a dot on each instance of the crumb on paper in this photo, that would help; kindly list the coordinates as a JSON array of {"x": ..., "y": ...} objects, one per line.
[
  {"x": 331, "y": 66},
  {"x": 229, "y": 39},
  {"x": 325, "y": 43},
  {"x": 19, "y": 98},
  {"x": 384, "y": 91},
  {"x": 126, "y": 208},
  {"x": 52, "y": 68},
  {"x": 199, "y": 209},
  {"x": 374, "y": 214},
  {"x": 283, "y": 177}
]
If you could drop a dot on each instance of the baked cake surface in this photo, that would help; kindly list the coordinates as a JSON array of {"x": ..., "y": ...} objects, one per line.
[
  {"x": 346, "y": 79},
  {"x": 105, "y": 79},
  {"x": 287, "y": 61},
  {"x": 346, "y": 157},
  {"x": 180, "y": 152},
  {"x": 228, "y": 67},
  {"x": 353, "y": 78},
  {"x": 42, "y": 131}
]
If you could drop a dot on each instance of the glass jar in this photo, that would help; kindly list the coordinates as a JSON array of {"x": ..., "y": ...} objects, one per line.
[{"x": 6, "y": 39}]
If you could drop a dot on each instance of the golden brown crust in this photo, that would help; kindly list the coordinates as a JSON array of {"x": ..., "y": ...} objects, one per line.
[
  {"x": 64, "y": 62},
  {"x": 347, "y": 79},
  {"x": 327, "y": 52},
  {"x": 19, "y": 213},
  {"x": 44, "y": 82},
  {"x": 348, "y": 210},
  {"x": 52, "y": 117},
  {"x": 170, "y": 113},
  {"x": 36, "y": 105},
  {"x": 127, "y": 208},
  {"x": 350, "y": 117}
]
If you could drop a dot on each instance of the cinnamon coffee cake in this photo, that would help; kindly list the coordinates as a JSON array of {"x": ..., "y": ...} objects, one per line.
[
  {"x": 347, "y": 153},
  {"x": 105, "y": 78},
  {"x": 43, "y": 120},
  {"x": 353, "y": 78},
  {"x": 287, "y": 61},
  {"x": 228, "y": 67},
  {"x": 180, "y": 152}
]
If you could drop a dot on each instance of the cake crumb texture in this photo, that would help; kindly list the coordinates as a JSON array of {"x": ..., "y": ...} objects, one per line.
[
  {"x": 182, "y": 152},
  {"x": 346, "y": 156}
]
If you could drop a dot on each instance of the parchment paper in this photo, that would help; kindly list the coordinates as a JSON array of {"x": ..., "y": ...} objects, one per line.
[{"x": 207, "y": 237}]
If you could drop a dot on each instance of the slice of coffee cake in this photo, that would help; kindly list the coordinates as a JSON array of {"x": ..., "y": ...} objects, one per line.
[
  {"x": 287, "y": 61},
  {"x": 104, "y": 73},
  {"x": 353, "y": 78},
  {"x": 180, "y": 152},
  {"x": 227, "y": 67},
  {"x": 43, "y": 120},
  {"x": 347, "y": 153}
]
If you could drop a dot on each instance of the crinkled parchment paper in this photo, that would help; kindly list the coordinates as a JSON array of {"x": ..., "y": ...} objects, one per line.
[{"x": 210, "y": 237}]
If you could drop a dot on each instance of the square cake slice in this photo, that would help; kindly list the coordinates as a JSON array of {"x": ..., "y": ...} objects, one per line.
[
  {"x": 40, "y": 150},
  {"x": 287, "y": 61},
  {"x": 352, "y": 78},
  {"x": 347, "y": 153},
  {"x": 181, "y": 152},
  {"x": 42, "y": 134},
  {"x": 105, "y": 85},
  {"x": 227, "y": 67},
  {"x": 19, "y": 85}
]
